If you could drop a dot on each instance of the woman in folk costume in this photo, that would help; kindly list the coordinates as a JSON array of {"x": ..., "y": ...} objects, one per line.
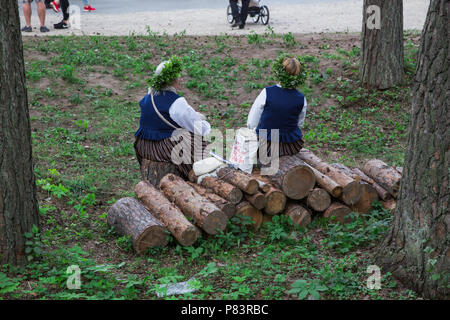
[
  {"x": 163, "y": 113},
  {"x": 281, "y": 107}
]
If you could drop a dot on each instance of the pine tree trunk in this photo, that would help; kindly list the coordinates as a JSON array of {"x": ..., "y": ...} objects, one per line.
[
  {"x": 18, "y": 202},
  {"x": 382, "y": 49},
  {"x": 416, "y": 249}
]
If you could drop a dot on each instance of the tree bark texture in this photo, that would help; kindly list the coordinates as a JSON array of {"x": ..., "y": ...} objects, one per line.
[
  {"x": 239, "y": 179},
  {"x": 382, "y": 55},
  {"x": 18, "y": 201},
  {"x": 227, "y": 207},
  {"x": 386, "y": 176},
  {"x": 416, "y": 248},
  {"x": 129, "y": 217},
  {"x": 170, "y": 215},
  {"x": 205, "y": 214}
]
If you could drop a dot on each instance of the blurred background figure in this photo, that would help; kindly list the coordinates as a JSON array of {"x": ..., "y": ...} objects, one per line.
[
  {"x": 239, "y": 19},
  {"x": 56, "y": 6},
  {"x": 40, "y": 6}
]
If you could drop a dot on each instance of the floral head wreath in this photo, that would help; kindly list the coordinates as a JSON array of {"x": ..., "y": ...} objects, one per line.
[
  {"x": 287, "y": 80},
  {"x": 166, "y": 73}
]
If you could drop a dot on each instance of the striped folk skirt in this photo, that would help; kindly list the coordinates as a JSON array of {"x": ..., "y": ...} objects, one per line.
[
  {"x": 161, "y": 151},
  {"x": 285, "y": 148}
]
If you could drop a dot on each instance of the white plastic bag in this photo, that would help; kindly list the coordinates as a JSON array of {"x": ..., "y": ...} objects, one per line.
[{"x": 245, "y": 149}]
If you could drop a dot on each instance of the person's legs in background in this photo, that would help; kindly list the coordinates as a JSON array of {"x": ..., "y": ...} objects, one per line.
[
  {"x": 235, "y": 12},
  {"x": 41, "y": 12},
  {"x": 65, "y": 9},
  {"x": 244, "y": 13},
  {"x": 27, "y": 13},
  {"x": 87, "y": 7}
]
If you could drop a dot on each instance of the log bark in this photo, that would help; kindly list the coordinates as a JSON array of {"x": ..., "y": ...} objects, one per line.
[
  {"x": 130, "y": 218},
  {"x": 339, "y": 211},
  {"x": 223, "y": 189},
  {"x": 294, "y": 177},
  {"x": 239, "y": 179},
  {"x": 327, "y": 183},
  {"x": 382, "y": 53},
  {"x": 369, "y": 195},
  {"x": 318, "y": 199},
  {"x": 153, "y": 171},
  {"x": 258, "y": 200},
  {"x": 299, "y": 214},
  {"x": 171, "y": 216},
  {"x": 275, "y": 201},
  {"x": 19, "y": 209},
  {"x": 384, "y": 175},
  {"x": 416, "y": 249},
  {"x": 390, "y": 205},
  {"x": 205, "y": 214},
  {"x": 382, "y": 193},
  {"x": 247, "y": 210},
  {"x": 346, "y": 170},
  {"x": 227, "y": 207},
  {"x": 351, "y": 192}
]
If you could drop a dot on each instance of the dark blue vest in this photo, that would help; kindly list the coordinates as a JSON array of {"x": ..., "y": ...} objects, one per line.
[
  {"x": 282, "y": 110},
  {"x": 151, "y": 127}
]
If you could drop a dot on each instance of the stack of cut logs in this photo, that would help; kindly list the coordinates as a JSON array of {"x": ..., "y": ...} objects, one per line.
[{"x": 304, "y": 187}]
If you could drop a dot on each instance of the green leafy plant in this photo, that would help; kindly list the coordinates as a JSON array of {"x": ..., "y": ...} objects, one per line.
[{"x": 303, "y": 288}]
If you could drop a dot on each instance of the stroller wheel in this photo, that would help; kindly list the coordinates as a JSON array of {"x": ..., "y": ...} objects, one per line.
[
  {"x": 230, "y": 17},
  {"x": 256, "y": 18},
  {"x": 264, "y": 14}
]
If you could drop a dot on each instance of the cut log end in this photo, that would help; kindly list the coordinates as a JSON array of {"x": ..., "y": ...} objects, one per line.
[
  {"x": 276, "y": 202},
  {"x": 297, "y": 182},
  {"x": 258, "y": 200},
  {"x": 318, "y": 199},
  {"x": 154, "y": 236},
  {"x": 339, "y": 211},
  {"x": 214, "y": 222},
  {"x": 352, "y": 193},
  {"x": 299, "y": 214},
  {"x": 247, "y": 210}
]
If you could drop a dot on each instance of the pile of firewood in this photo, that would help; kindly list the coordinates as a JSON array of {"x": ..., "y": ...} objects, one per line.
[{"x": 304, "y": 187}]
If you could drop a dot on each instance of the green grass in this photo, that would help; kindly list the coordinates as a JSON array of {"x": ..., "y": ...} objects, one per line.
[{"x": 84, "y": 111}]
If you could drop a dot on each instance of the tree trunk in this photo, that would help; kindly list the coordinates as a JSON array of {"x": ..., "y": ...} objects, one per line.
[
  {"x": 129, "y": 217},
  {"x": 153, "y": 171},
  {"x": 247, "y": 210},
  {"x": 384, "y": 175},
  {"x": 299, "y": 214},
  {"x": 205, "y": 214},
  {"x": 318, "y": 199},
  {"x": 258, "y": 200},
  {"x": 382, "y": 46},
  {"x": 294, "y": 177},
  {"x": 416, "y": 249},
  {"x": 244, "y": 182},
  {"x": 339, "y": 211},
  {"x": 351, "y": 192},
  {"x": 227, "y": 207},
  {"x": 18, "y": 202},
  {"x": 166, "y": 212},
  {"x": 382, "y": 193}
]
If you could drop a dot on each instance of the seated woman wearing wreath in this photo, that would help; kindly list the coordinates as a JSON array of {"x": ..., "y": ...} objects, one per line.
[
  {"x": 281, "y": 107},
  {"x": 162, "y": 112}
]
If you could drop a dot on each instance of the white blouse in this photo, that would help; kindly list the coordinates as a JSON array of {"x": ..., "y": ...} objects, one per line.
[
  {"x": 186, "y": 117},
  {"x": 258, "y": 107}
]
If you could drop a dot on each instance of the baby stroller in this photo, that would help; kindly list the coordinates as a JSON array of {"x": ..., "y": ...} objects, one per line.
[{"x": 255, "y": 11}]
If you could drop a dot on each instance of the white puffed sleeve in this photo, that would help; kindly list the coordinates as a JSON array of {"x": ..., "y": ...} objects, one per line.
[
  {"x": 256, "y": 111},
  {"x": 186, "y": 117},
  {"x": 301, "y": 118}
]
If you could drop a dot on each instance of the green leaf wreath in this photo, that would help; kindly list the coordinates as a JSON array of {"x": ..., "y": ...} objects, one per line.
[
  {"x": 170, "y": 72},
  {"x": 287, "y": 80}
]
